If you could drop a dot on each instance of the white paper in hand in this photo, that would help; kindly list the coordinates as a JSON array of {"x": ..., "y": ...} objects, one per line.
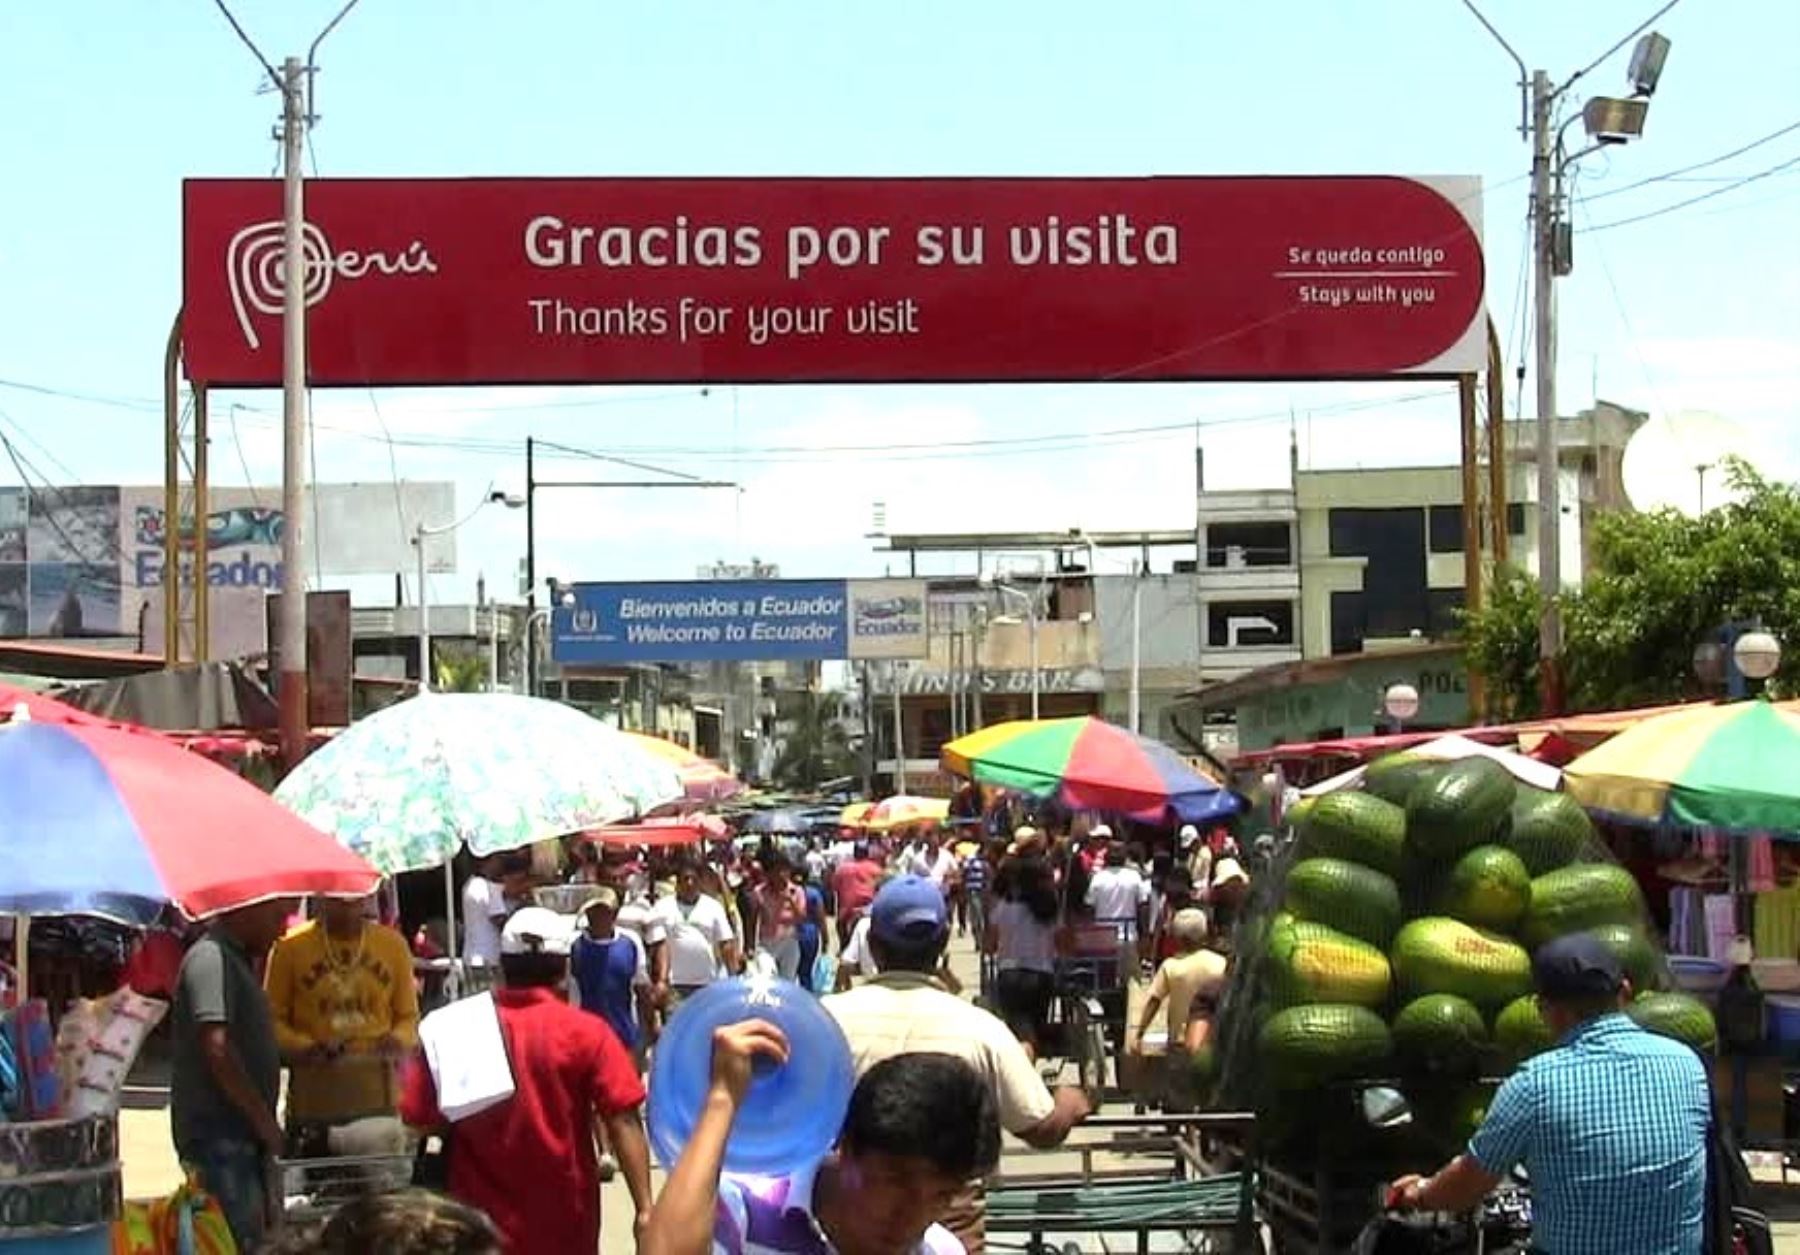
[{"x": 467, "y": 1056}]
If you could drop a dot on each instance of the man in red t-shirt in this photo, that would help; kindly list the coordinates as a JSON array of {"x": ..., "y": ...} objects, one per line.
[
  {"x": 854, "y": 884},
  {"x": 530, "y": 1161}
]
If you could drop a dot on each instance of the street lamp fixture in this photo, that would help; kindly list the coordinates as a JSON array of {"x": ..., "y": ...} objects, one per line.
[
  {"x": 1647, "y": 64},
  {"x": 1610, "y": 120},
  {"x": 1757, "y": 654},
  {"x": 512, "y": 501},
  {"x": 1401, "y": 702},
  {"x": 1031, "y": 621},
  {"x": 565, "y": 598}
]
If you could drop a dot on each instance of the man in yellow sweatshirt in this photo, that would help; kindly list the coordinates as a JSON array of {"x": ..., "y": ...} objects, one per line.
[{"x": 346, "y": 1012}]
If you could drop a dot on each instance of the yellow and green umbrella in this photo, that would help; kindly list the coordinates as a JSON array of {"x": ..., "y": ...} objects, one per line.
[
  {"x": 903, "y": 811},
  {"x": 1731, "y": 767}
]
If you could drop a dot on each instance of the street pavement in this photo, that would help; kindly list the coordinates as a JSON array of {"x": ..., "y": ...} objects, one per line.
[{"x": 151, "y": 1171}]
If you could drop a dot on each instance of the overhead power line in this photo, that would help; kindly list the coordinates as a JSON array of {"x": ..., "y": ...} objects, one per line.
[
  {"x": 1670, "y": 175},
  {"x": 1732, "y": 186}
]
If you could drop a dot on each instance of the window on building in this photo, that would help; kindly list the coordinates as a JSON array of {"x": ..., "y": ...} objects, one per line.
[
  {"x": 1249, "y": 544},
  {"x": 1443, "y": 611},
  {"x": 1445, "y": 530},
  {"x": 1349, "y": 622},
  {"x": 1515, "y": 519},
  {"x": 1249, "y": 624},
  {"x": 1393, "y": 592}
]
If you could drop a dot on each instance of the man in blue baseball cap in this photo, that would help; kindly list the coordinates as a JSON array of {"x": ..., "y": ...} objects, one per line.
[
  {"x": 1610, "y": 1123},
  {"x": 905, "y": 1009}
]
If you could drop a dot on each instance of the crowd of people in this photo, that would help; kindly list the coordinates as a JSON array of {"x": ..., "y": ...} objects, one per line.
[{"x": 864, "y": 922}]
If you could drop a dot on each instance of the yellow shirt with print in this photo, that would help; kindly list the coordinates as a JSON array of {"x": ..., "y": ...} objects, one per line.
[{"x": 323, "y": 991}]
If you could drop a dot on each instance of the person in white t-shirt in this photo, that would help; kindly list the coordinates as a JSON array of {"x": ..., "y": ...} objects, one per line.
[
  {"x": 702, "y": 947},
  {"x": 484, "y": 912},
  {"x": 1119, "y": 895}
]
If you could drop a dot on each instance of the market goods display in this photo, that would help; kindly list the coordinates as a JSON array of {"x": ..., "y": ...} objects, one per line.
[{"x": 1392, "y": 939}]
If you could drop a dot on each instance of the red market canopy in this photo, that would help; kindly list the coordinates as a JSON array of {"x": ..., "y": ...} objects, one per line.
[{"x": 689, "y": 830}]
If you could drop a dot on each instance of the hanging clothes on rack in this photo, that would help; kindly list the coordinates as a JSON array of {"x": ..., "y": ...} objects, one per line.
[
  {"x": 1777, "y": 923},
  {"x": 1721, "y": 925},
  {"x": 1760, "y": 854},
  {"x": 1687, "y": 921}
]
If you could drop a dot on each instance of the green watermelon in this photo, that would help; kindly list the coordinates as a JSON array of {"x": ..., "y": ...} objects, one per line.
[
  {"x": 1460, "y": 809},
  {"x": 1520, "y": 1031},
  {"x": 1313, "y": 963},
  {"x": 1438, "y": 955},
  {"x": 1547, "y": 830},
  {"x": 1586, "y": 895},
  {"x": 1346, "y": 896},
  {"x": 1637, "y": 956},
  {"x": 1305, "y": 1047},
  {"x": 1392, "y": 777},
  {"x": 1681, "y": 1016},
  {"x": 1488, "y": 887},
  {"x": 1354, "y": 826},
  {"x": 1440, "y": 1033}
]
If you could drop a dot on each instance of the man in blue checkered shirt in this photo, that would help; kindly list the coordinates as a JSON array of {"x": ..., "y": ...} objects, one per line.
[{"x": 1611, "y": 1124}]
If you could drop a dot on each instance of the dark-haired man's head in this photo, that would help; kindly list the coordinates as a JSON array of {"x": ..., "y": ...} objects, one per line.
[
  {"x": 687, "y": 882},
  {"x": 908, "y": 925},
  {"x": 920, "y": 1128},
  {"x": 1116, "y": 854},
  {"x": 1577, "y": 978},
  {"x": 410, "y": 1222}
]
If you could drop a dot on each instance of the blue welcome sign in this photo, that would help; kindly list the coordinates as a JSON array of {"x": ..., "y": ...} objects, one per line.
[{"x": 731, "y": 620}]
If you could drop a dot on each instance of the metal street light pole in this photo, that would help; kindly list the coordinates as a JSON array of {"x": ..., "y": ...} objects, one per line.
[
  {"x": 1134, "y": 700},
  {"x": 420, "y": 532},
  {"x": 1031, "y": 622}
]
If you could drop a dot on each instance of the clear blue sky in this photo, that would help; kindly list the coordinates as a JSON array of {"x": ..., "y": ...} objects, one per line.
[{"x": 107, "y": 106}]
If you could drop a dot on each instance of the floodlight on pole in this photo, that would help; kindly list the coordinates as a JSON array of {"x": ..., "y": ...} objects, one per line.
[{"x": 1612, "y": 120}]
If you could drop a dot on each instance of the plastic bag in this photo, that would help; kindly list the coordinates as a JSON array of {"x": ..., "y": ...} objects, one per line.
[{"x": 188, "y": 1222}]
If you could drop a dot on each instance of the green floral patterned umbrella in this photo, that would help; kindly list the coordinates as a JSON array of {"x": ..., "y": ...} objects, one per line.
[{"x": 407, "y": 787}]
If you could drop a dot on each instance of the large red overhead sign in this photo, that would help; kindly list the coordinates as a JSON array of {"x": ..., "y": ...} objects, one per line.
[{"x": 497, "y": 281}]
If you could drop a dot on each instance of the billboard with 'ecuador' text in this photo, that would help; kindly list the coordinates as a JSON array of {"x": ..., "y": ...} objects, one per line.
[{"x": 740, "y": 621}]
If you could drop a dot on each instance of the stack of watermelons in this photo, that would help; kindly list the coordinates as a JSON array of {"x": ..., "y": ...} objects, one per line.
[{"x": 1395, "y": 937}]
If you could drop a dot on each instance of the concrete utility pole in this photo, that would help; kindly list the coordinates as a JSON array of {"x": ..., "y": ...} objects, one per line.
[
  {"x": 1549, "y": 505},
  {"x": 291, "y": 623},
  {"x": 1608, "y": 121}
]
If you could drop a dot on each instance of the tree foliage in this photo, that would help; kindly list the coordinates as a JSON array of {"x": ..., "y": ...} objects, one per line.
[
  {"x": 460, "y": 669},
  {"x": 1660, "y": 584},
  {"x": 815, "y": 746}
]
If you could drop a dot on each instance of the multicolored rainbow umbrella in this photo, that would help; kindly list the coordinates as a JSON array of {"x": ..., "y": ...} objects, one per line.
[
  {"x": 1732, "y": 767},
  {"x": 1090, "y": 765}
]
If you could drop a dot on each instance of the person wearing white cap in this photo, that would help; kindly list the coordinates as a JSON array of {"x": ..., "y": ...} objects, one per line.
[
  {"x": 1199, "y": 856},
  {"x": 529, "y": 1160}
]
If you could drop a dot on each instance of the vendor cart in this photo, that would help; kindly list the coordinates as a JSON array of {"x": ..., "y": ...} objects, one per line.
[{"x": 1159, "y": 1183}]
